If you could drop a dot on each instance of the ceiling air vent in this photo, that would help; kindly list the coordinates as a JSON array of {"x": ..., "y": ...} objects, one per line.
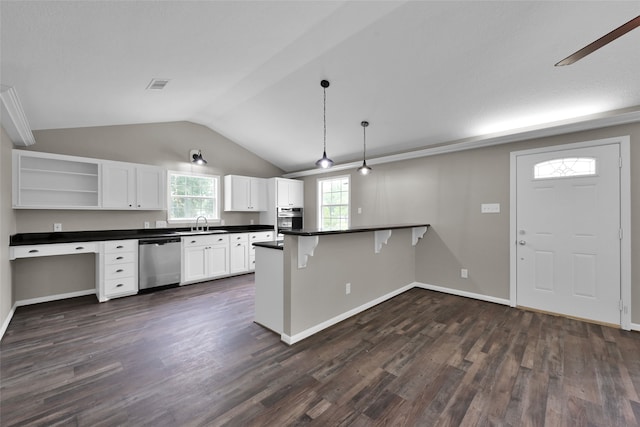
[{"x": 157, "y": 84}]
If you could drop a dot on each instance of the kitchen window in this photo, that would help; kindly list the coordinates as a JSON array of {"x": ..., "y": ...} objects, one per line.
[
  {"x": 333, "y": 202},
  {"x": 192, "y": 195}
]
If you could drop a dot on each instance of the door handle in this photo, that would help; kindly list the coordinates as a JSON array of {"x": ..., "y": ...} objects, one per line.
[{"x": 522, "y": 242}]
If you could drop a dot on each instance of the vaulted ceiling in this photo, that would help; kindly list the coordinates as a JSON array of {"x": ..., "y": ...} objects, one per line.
[{"x": 422, "y": 73}]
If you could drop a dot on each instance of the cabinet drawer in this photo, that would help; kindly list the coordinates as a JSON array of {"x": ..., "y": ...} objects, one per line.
[
  {"x": 210, "y": 239},
  {"x": 261, "y": 236},
  {"x": 119, "y": 270},
  {"x": 118, "y": 286},
  {"x": 239, "y": 238},
  {"x": 120, "y": 258},
  {"x": 53, "y": 249},
  {"x": 115, "y": 246}
]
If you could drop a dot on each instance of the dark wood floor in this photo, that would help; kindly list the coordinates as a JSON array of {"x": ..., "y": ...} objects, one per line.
[{"x": 193, "y": 356}]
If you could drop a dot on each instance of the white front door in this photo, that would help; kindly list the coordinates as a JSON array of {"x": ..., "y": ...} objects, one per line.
[{"x": 568, "y": 232}]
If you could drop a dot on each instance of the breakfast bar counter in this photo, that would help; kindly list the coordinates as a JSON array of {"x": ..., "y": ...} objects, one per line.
[{"x": 329, "y": 276}]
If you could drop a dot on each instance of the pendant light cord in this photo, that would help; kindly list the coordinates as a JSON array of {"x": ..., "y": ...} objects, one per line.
[
  {"x": 324, "y": 119},
  {"x": 364, "y": 139}
]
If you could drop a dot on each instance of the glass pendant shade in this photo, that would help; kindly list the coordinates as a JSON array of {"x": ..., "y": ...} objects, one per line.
[
  {"x": 324, "y": 162},
  {"x": 364, "y": 169}
]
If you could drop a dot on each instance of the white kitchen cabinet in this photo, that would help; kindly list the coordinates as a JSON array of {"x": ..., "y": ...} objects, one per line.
[
  {"x": 118, "y": 269},
  {"x": 255, "y": 237},
  {"x": 204, "y": 257},
  {"x": 239, "y": 253},
  {"x": 245, "y": 193},
  {"x": 52, "y": 181},
  {"x": 132, "y": 186},
  {"x": 289, "y": 193}
]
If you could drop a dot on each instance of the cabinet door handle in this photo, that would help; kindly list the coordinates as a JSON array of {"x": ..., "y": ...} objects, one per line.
[
  {"x": 220, "y": 240},
  {"x": 79, "y": 248},
  {"x": 239, "y": 244},
  {"x": 119, "y": 247},
  {"x": 119, "y": 270},
  {"x": 33, "y": 251},
  {"x": 193, "y": 241},
  {"x": 119, "y": 285},
  {"x": 120, "y": 257}
]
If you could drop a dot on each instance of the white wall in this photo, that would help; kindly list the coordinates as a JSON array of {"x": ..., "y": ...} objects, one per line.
[{"x": 7, "y": 227}]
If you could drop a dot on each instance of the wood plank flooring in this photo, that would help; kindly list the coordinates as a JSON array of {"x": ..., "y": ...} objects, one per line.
[{"x": 192, "y": 356}]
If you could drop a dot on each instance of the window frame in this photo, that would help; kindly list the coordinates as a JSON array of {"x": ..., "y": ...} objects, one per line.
[
  {"x": 320, "y": 181},
  {"x": 218, "y": 198}
]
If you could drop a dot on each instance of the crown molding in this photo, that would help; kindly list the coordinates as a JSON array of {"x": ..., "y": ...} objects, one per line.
[
  {"x": 14, "y": 121},
  {"x": 594, "y": 121}
]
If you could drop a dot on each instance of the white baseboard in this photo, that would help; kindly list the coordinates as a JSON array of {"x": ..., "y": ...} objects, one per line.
[
  {"x": 317, "y": 328},
  {"x": 481, "y": 297},
  {"x": 6, "y": 322},
  {"x": 635, "y": 327},
  {"x": 55, "y": 297}
]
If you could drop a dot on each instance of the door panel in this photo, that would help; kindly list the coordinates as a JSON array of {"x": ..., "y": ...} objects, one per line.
[{"x": 568, "y": 248}]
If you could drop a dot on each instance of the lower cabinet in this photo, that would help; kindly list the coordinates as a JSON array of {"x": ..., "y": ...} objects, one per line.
[
  {"x": 204, "y": 257},
  {"x": 239, "y": 255},
  {"x": 117, "y": 269},
  {"x": 255, "y": 237}
]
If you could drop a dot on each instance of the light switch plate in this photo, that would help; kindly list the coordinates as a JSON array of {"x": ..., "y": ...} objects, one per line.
[
  {"x": 490, "y": 208},
  {"x": 57, "y": 226}
]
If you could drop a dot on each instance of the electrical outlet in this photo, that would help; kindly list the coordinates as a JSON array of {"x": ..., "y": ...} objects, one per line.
[
  {"x": 347, "y": 288},
  {"x": 464, "y": 273},
  {"x": 359, "y": 210},
  {"x": 222, "y": 222},
  {"x": 251, "y": 222},
  {"x": 146, "y": 224},
  {"x": 57, "y": 226}
]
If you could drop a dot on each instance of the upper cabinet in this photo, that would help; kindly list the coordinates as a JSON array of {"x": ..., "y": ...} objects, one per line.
[
  {"x": 53, "y": 181},
  {"x": 245, "y": 193},
  {"x": 289, "y": 193},
  {"x": 132, "y": 186},
  {"x": 47, "y": 181}
]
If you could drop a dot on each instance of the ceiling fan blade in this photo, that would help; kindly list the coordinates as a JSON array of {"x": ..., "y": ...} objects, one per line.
[{"x": 607, "y": 38}]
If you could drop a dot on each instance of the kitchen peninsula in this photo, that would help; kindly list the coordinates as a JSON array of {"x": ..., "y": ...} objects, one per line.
[{"x": 318, "y": 278}]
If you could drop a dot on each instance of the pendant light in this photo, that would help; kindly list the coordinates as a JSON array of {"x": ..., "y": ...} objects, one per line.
[
  {"x": 324, "y": 162},
  {"x": 364, "y": 169}
]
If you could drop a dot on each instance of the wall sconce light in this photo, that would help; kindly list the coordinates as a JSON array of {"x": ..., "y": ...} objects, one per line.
[{"x": 195, "y": 156}]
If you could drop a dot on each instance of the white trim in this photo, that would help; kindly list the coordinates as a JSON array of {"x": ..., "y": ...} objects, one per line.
[
  {"x": 635, "y": 327},
  {"x": 457, "y": 292},
  {"x": 327, "y": 323},
  {"x": 49, "y": 298},
  {"x": 6, "y": 322},
  {"x": 594, "y": 121},
  {"x": 14, "y": 120},
  {"x": 625, "y": 217}
]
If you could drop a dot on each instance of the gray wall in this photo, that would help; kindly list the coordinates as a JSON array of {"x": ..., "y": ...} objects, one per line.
[
  {"x": 7, "y": 226},
  {"x": 162, "y": 144},
  {"x": 446, "y": 191}
]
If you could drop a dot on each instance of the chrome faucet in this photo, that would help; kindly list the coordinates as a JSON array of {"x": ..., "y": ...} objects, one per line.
[{"x": 205, "y": 222}]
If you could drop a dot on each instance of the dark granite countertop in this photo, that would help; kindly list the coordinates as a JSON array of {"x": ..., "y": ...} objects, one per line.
[
  {"x": 315, "y": 232},
  {"x": 101, "y": 235},
  {"x": 274, "y": 244}
]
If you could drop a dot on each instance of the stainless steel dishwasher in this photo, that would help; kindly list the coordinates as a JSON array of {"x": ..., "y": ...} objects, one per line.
[{"x": 159, "y": 262}]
